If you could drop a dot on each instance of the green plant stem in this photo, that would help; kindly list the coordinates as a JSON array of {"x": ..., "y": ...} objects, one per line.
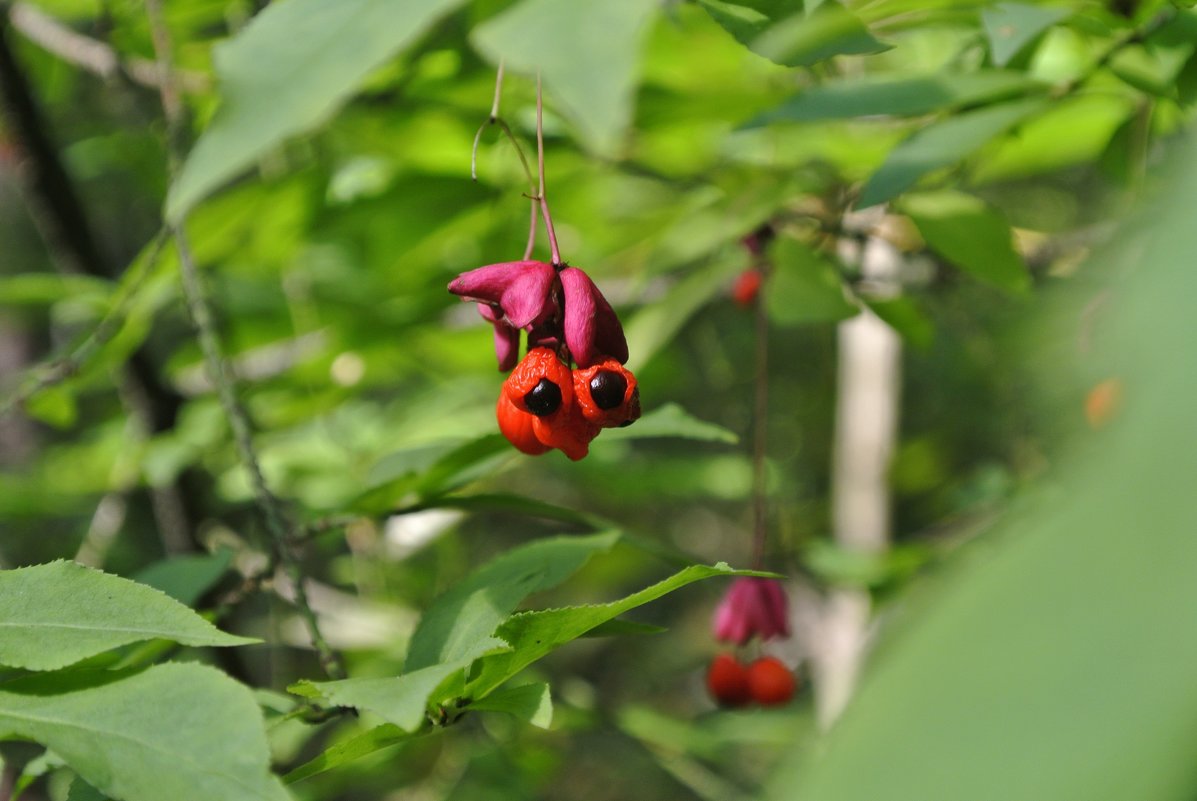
[
  {"x": 544, "y": 201},
  {"x": 217, "y": 367}
]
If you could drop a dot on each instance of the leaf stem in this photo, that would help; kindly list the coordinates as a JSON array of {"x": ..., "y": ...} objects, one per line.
[{"x": 544, "y": 202}]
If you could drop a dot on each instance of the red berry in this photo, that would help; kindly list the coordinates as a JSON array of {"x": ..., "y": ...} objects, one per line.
[
  {"x": 770, "y": 682},
  {"x": 727, "y": 681},
  {"x": 746, "y": 287}
]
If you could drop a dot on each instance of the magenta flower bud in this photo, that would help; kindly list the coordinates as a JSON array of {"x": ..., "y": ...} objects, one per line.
[
  {"x": 752, "y": 606},
  {"x": 553, "y": 305}
]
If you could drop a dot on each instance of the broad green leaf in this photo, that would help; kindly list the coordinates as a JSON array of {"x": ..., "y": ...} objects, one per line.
[
  {"x": 1011, "y": 26},
  {"x": 33, "y": 770},
  {"x": 528, "y": 702},
  {"x": 942, "y": 144},
  {"x": 901, "y": 97},
  {"x": 185, "y": 732},
  {"x": 185, "y": 578},
  {"x": 804, "y": 287},
  {"x": 904, "y": 316},
  {"x": 805, "y": 39},
  {"x": 56, "y": 614},
  {"x": 588, "y": 54},
  {"x": 970, "y": 235},
  {"x": 671, "y": 420},
  {"x": 1055, "y": 659},
  {"x": 375, "y": 739},
  {"x": 742, "y": 21},
  {"x": 399, "y": 700},
  {"x": 467, "y": 614},
  {"x": 82, "y": 791},
  {"x": 55, "y": 406},
  {"x": 532, "y": 635},
  {"x": 286, "y": 72},
  {"x": 620, "y": 628}
]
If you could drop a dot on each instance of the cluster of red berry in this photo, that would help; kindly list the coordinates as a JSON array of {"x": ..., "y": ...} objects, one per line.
[
  {"x": 752, "y": 608},
  {"x": 546, "y": 405},
  {"x": 766, "y": 681}
]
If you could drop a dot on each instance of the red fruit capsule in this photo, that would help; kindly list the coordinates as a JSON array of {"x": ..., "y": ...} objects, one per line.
[
  {"x": 567, "y": 431},
  {"x": 541, "y": 384},
  {"x": 770, "y": 682},
  {"x": 607, "y": 394},
  {"x": 727, "y": 681},
  {"x": 517, "y": 426}
]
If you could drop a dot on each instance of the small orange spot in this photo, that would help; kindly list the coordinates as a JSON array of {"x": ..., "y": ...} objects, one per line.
[{"x": 1103, "y": 402}]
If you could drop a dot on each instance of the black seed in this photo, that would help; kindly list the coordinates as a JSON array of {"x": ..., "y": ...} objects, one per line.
[
  {"x": 544, "y": 398},
  {"x": 607, "y": 389},
  {"x": 626, "y": 423}
]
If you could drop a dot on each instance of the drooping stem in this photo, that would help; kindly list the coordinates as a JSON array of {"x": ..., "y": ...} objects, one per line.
[
  {"x": 495, "y": 119},
  {"x": 544, "y": 202},
  {"x": 760, "y": 415},
  {"x": 200, "y": 310}
]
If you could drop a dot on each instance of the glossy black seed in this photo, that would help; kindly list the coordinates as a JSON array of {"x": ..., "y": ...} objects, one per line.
[
  {"x": 544, "y": 398},
  {"x": 607, "y": 389},
  {"x": 626, "y": 423}
]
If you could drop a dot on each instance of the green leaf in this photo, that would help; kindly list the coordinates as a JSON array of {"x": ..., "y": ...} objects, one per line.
[
  {"x": 186, "y": 578},
  {"x": 905, "y": 97},
  {"x": 48, "y": 288},
  {"x": 185, "y": 732},
  {"x": 970, "y": 235},
  {"x": 904, "y": 316},
  {"x": 1011, "y": 26},
  {"x": 528, "y": 702},
  {"x": 510, "y": 502},
  {"x": 55, "y": 406},
  {"x": 532, "y": 635},
  {"x": 742, "y": 21},
  {"x": 804, "y": 288},
  {"x": 375, "y": 739},
  {"x": 457, "y": 621},
  {"x": 805, "y": 39},
  {"x": 588, "y": 54},
  {"x": 1054, "y": 659},
  {"x": 82, "y": 791},
  {"x": 286, "y": 72},
  {"x": 57, "y": 614},
  {"x": 399, "y": 700},
  {"x": 671, "y": 420},
  {"x": 941, "y": 144},
  {"x": 620, "y": 628}
]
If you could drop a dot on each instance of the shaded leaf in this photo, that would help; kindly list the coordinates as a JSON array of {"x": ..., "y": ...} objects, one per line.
[
  {"x": 905, "y": 317},
  {"x": 286, "y": 72},
  {"x": 588, "y": 54},
  {"x": 56, "y": 614},
  {"x": 671, "y": 420},
  {"x": 904, "y": 97},
  {"x": 82, "y": 791},
  {"x": 187, "y": 577},
  {"x": 528, "y": 702},
  {"x": 376, "y": 739},
  {"x": 1011, "y": 26},
  {"x": 805, "y": 39},
  {"x": 619, "y": 628},
  {"x": 510, "y": 502},
  {"x": 468, "y": 613},
  {"x": 804, "y": 288},
  {"x": 180, "y": 731},
  {"x": 941, "y": 144},
  {"x": 970, "y": 235}
]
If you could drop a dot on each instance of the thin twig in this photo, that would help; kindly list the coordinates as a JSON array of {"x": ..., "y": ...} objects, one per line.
[
  {"x": 544, "y": 202},
  {"x": 92, "y": 55},
  {"x": 495, "y": 119},
  {"x": 221, "y": 376}
]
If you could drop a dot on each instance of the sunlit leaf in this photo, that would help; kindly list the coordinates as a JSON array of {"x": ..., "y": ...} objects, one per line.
[
  {"x": 286, "y": 72},
  {"x": 671, "y": 420},
  {"x": 942, "y": 144},
  {"x": 56, "y": 614},
  {"x": 588, "y": 54}
]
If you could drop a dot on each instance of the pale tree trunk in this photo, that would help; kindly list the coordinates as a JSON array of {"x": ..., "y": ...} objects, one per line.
[{"x": 865, "y": 431}]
